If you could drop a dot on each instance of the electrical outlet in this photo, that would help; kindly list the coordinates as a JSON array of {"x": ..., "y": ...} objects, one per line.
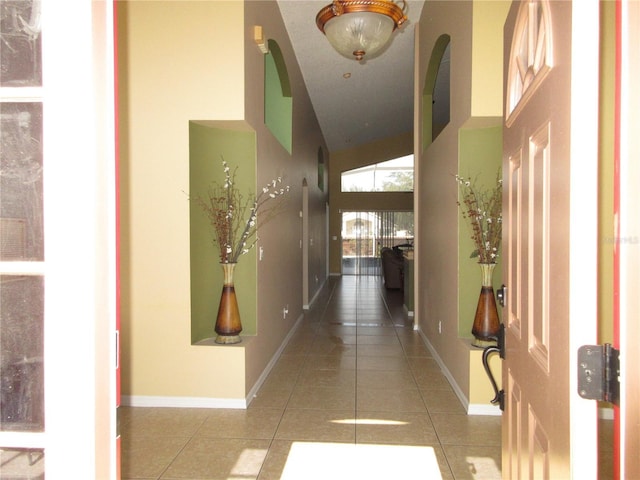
[
  {"x": 285, "y": 311},
  {"x": 261, "y": 253},
  {"x": 440, "y": 326}
]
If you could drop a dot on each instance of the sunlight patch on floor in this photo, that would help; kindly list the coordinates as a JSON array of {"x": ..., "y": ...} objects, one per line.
[
  {"x": 339, "y": 461},
  {"x": 368, "y": 421},
  {"x": 484, "y": 466}
]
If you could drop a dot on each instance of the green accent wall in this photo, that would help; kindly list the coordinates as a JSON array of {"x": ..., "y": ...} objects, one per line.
[
  {"x": 428, "y": 135},
  {"x": 278, "y": 103},
  {"x": 480, "y": 156},
  {"x": 209, "y": 142}
]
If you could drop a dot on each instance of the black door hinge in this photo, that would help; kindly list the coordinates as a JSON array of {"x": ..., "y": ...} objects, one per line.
[{"x": 599, "y": 373}]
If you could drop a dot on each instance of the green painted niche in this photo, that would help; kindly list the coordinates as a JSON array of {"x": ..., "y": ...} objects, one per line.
[
  {"x": 480, "y": 156},
  {"x": 436, "y": 101},
  {"x": 209, "y": 142},
  {"x": 278, "y": 103}
]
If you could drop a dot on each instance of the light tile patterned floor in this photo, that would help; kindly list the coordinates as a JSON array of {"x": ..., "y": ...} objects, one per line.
[{"x": 354, "y": 373}]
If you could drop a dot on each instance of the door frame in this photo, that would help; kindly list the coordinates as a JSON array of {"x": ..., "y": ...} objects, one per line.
[{"x": 627, "y": 236}]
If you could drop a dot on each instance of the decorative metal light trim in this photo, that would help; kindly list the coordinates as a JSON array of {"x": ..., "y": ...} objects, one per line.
[{"x": 344, "y": 7}]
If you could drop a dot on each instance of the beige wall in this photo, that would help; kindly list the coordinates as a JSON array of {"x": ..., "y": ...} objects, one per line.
[
  {"x": 194, "y": 60},
  {"x": 280, "y": 273},
  {"x": 356, "y": 157},
  {"x": 473, "y": 92},
  {"x": 486, "y": 99}
]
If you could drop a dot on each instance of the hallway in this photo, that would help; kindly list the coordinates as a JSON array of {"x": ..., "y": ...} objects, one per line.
[{"x": 354, "y": 373}]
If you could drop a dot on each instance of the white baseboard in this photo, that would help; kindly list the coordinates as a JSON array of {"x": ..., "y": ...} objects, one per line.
[
  {"x": 272, "y": 362},
  {"x": 182, "y": 402},
  {"x": 456, "y": 388},
  {"x": 315, "y": 297},
  {"x": 208, "y": 402},
  {"x": 470, "y": 408},
  {"x": 483, "y": 409},
  {"x": 477, "y": 408}
]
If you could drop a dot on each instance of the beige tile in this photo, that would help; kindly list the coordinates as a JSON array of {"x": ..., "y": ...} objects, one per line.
[
  {"x": 297, "y": 348},
  {"x": 374, "y": 323},
  {"x": 421, "y": 364},
  {"x": 384, "y": 330},
  {"x": 327, "y": 378},
  {"x": 211, "y": 458},
  {"x": 442, "y": 401},
  {"x": 430, "y": 380},
  {"x": 412, "y": 350},
  {"x": 378, "y": 340},
  {"x": 317, "y": 425},
  {"x": 272, "y": 396},
  {"x": 338, "y": 330},
  {"x": 328, "y": 398},
  {"x": 381, "y": 363},
  {"x": 376, "y": 399},
  {"x": 385, "y": 379},
  {"x": 380, "y": 350},
  {"x": 254, "y": 423},
  {"x": 332, "y": 349},
  {"x": 288, "y": 364},
  {"x": 330, "y": 362},
  {"x": 302, "y": 337},
  {"x": 475, "y": 462},
  {"x": 179, "y": 422},
  {"x": 280, "y": 381},
  {"x": 445, "y": 469},
  {"x": 341, "y": 339},
  {"x": 400, "y": 428},
  {"x": 276, "y": 460},
  {"x": 465, "y": 429},
  {"x": 148, "y": 456}
]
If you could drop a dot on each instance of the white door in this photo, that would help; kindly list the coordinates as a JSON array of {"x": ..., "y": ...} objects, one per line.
[
  {"x": 57, "y": 230},
  {"x": 550, "y": 236}
]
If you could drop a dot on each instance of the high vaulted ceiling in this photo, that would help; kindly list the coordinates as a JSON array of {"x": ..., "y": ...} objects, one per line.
[{"x": 355, "y": 102}]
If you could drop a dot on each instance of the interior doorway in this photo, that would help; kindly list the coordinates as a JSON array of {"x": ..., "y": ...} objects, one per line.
[{"x": 366, "y": 233}]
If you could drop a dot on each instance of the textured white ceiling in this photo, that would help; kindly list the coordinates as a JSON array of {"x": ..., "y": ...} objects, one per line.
[{"x": 376, "y": 101}]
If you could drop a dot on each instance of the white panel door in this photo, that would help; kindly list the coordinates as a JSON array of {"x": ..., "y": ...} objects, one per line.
[{"x": 550, "y": 215}]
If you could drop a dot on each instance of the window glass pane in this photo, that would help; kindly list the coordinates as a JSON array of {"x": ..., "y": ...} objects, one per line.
[
  {"x": 21, "y": 463},
  {"x": 20, "y": 45},
  {"x": 391, "y": 176},
  {"x": 21, "y": 353},
  {"x": 21, "y": 224}
]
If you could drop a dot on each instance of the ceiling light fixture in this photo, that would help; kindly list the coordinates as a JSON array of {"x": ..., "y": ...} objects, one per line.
[{"x": 358, "y": 27}]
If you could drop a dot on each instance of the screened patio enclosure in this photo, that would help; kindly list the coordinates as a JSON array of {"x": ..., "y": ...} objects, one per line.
[{"x": 365, "y": 234}]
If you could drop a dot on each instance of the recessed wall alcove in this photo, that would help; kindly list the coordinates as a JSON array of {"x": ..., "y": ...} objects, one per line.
[
  {"x": 436, "y": 95},
  {"x": 278, "y": 103},
  {"x": 479, "y": 157},
  {"x": 209, "y": 143}
]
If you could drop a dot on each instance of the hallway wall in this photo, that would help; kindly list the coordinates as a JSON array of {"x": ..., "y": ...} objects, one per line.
[
  {"x": 194, "y": 60},
  {"x": 475, "y": 94}
]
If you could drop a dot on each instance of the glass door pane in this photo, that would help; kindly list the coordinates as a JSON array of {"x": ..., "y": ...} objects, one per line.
[
  {"x": 22, "y": 407},
  {"x": 365, "y": 234}
]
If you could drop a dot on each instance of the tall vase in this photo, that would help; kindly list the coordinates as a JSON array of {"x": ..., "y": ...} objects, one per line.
[
  {"x": 486, "y": 324},
  {"x": 228, "y": 325}
]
